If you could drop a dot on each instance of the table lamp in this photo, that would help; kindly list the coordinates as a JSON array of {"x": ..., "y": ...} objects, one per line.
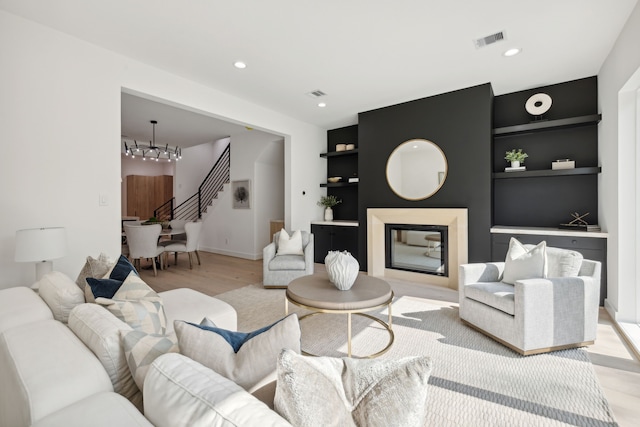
[{"x": 41, "y": 245}]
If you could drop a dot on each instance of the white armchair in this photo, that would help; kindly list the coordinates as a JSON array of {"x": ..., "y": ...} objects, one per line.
[
  {"x": 279, "y": 270},
  {"x": 532, "y": 315}
]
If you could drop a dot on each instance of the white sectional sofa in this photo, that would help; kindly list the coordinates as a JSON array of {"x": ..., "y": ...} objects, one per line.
[{"x": 53, "y": 373}]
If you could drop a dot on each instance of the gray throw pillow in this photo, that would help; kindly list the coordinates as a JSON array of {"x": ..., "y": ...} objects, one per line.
[{"x": 322, "y": 391}]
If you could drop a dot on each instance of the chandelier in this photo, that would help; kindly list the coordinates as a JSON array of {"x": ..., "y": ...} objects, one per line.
[{"x": 151, "y": 151}]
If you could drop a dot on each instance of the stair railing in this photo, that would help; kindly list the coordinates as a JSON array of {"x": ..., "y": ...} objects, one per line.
[{"x": 192, "y": 208}]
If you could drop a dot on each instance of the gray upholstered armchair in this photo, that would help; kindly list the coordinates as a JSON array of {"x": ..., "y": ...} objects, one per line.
[
  {"x": 279, "y": 270},
  {"x": 533, "y": 315}
]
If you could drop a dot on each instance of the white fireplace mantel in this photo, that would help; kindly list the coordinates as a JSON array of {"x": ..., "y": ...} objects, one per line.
[{"x": 456, "y": 219}]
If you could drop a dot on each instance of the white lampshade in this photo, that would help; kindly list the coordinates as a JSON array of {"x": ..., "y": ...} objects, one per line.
[{"x": 41, "y": 245}]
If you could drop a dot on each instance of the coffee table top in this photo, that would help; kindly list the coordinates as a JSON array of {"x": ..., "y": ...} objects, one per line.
[{"x": 317, "y": 291}]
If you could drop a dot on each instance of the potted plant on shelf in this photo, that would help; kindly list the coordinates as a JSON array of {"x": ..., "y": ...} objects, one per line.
[
  {"x": 515, "y": 157},
  {"x": 328, "y": 202}
]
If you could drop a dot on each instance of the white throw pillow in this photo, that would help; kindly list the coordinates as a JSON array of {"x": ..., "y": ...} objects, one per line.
[
  {"x": 93, "y": 268},
  {"x": 60, "y": 293},
  {"x": 290, "y": 245},
  {"x": 524, "y": 263},
  {"x": 100, "y": 331},
  {"x": 245, "y": 358},
  {"x": 322, "y": 391}
]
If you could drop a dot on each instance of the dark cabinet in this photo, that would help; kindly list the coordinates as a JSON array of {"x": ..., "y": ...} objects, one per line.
[
  {"x": 593, "y": 248},
  {"x": 343, "y": 164},
  {"x": 334, "y": 238}
]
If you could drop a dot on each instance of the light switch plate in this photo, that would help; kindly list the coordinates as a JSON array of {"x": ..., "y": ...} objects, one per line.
[{"x": 104, "y": 200}]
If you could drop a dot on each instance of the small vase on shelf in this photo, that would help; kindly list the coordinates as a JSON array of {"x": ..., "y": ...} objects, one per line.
[
  {"x": 328, "y": 214},
  {"x": 515, "y": 164}
]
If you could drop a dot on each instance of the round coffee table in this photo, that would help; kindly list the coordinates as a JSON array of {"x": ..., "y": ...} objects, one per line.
[{"x": 368, "y": 293}]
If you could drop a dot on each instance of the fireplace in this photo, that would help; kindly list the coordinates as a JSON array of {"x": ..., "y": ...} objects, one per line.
[
  {"x": 454, "y": 220},
  {"x": 417, "y": 248}
]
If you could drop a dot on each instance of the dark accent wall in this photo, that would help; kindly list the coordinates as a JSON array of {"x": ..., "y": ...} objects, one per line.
[{"x": 460, "y": 124}]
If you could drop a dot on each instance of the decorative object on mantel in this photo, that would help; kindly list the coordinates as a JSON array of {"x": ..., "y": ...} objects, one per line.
[
  {"x": 328, "y": 202},
  {"x": 563, "y": 164},
  {"x": 341, "y": 147},
  {"x": 342, "y": 269},
  {"x": 151, "y": 151},
  {"x": 579, "y": 224},
  {"x": 515, "y": 157},
  {"x": 538, "y": 104}
]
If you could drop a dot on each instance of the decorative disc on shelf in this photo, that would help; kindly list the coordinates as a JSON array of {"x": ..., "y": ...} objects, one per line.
[{"x": 538, "y": 104}]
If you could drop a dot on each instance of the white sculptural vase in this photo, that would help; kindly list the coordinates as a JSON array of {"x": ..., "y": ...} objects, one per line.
[
  {"x": 328, "y": 214},
  {"x": 342, "y": 269}
]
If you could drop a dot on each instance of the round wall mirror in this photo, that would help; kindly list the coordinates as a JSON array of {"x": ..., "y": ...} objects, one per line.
[{"x": 416, "y": 169}]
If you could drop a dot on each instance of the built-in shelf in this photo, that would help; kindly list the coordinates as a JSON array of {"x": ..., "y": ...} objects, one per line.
[
  {"x": 548, "y": 172},
  {"x": 548, "y": 125},
  {"x": 338, "y": 184},
  {"x": 339, "y": 153}
]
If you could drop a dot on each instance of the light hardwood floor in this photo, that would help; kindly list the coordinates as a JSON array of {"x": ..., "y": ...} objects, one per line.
[{"x": 617, "y": 368}]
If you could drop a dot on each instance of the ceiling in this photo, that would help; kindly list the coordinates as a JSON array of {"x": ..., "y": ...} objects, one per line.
[{"x": 364, "y": 54}]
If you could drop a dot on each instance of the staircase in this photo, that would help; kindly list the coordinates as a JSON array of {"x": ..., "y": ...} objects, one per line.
[{"x": 192, "y": 208}]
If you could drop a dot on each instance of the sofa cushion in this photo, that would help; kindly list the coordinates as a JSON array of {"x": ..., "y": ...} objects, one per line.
[
  {"x": 287, "y": 262},
  {"x": 31, "y": 389},
  {"x": 136, "y": 304},
  {"x": 289, "y": 245},
  {"x": 121, "y": 269},
  {"x": 141, "y": 349},
  {"x": 200, "y": 397},
  {"x": 20, "y": 305},
  {"x": 100, "y": 330},
  {"x": 563, "y": 262},
  {"x": 106, "y": 409},
  {"x": 245, "y": 358},
  {"x": 106, "y": 286},
  {"x": 498, "y": 295},
  {"x": 60, "y": 293},
  {"x": 320, "y": 391},
  {"x": 522, "y": 263}
]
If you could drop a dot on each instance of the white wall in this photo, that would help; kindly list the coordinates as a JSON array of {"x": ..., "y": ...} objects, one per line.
[
  {"x": 138, "y": 166},
  {"x": 617, "y": 182},
  {"x": 194, "y": 166},
  {"x": 56, "y": 90},
  {"x": 241, "y": 232}
]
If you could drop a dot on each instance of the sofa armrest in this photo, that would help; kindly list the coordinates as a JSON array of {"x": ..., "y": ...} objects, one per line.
[
  {"x": 563, "y": 307},
  {"x": 179, "y": 391},
  {"x": 480, "y": 272}
]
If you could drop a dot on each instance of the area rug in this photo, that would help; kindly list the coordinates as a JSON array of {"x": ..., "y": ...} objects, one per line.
[{"x": 475, "y": 381}]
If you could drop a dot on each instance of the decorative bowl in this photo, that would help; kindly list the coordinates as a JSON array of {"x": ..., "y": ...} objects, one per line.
[{"x": 334, "y": 178}]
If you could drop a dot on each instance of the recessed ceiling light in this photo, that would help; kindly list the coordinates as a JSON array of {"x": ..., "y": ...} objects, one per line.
[
  {"x": 240, "y": 65},
  {"x": 322, "y": 104},
  {"x": 512, "y": 52}
]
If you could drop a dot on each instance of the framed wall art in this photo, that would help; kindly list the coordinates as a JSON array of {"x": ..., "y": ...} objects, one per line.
[{"x": 241, "y": 194}]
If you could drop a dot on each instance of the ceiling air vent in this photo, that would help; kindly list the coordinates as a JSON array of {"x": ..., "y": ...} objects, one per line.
[
  {"x": 485, "y": 41},
  {"x": 316, "y": 93}
]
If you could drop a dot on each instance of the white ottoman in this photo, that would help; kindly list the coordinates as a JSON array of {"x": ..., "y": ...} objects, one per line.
[
  {"x": 191, "y": 306},
  {"x": 44, "y": 367}
]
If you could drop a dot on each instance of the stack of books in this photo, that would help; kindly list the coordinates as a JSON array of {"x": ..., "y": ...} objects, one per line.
[
  {"x": 581, "y": 227},
  {"x": 518, "y": 169}
]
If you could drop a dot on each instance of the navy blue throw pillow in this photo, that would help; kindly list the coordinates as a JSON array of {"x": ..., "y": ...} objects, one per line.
[
  {"x": 236, "y": 339},
  {"x": 105, "y": 288},
  {"x": 122, "y": 269}
]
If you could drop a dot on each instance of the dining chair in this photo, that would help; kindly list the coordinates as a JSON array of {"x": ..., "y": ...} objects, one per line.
[
  {"x": 143, "y": 243},
  {"x": 178, "y": 224},
  {"x": 190, "y": 246}
]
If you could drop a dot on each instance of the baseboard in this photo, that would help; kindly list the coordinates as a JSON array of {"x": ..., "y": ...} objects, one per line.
[{"x": 253, "y": 257}]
